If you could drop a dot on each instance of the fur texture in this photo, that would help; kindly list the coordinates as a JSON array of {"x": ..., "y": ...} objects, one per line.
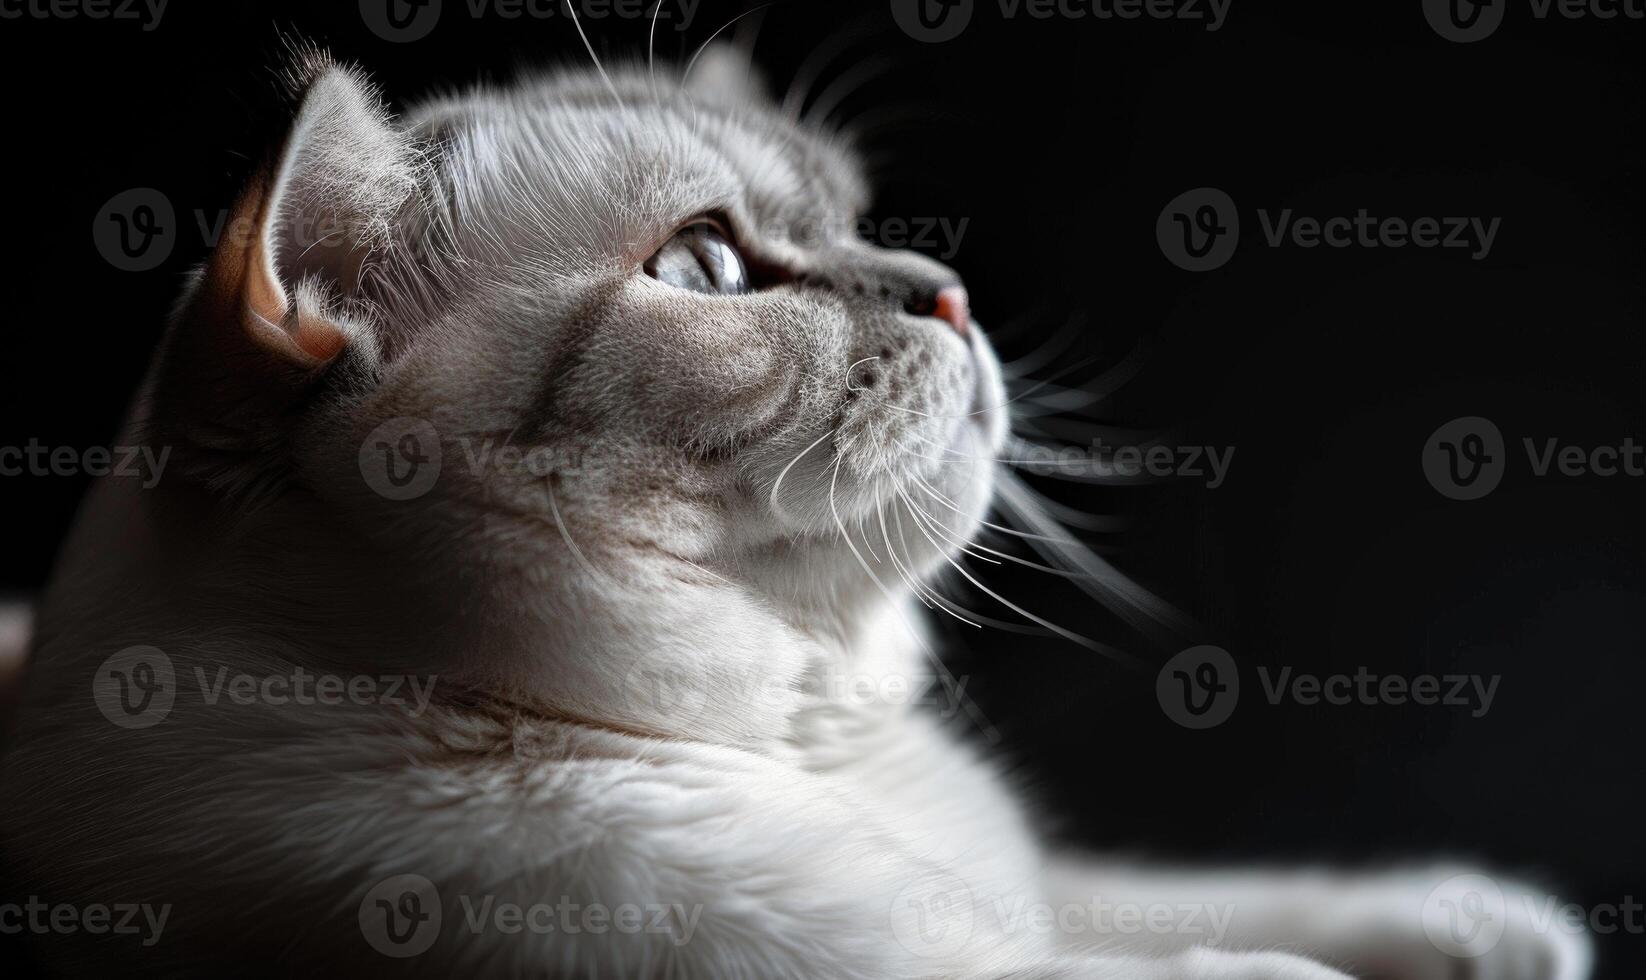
[{"x": 665, "y": 586}]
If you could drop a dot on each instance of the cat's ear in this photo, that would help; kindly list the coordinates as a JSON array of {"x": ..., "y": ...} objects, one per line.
[
  {"x": 725, "y": 74},
  {"x": 275, "y": 296},
  {"x": 277, "y": 303}
]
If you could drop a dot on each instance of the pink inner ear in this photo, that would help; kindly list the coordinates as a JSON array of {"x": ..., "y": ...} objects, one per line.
[{"x": 320, "y": 339}]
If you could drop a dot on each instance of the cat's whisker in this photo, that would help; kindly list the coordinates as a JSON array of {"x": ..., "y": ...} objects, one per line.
[
  {"x": 578, "y": 23},
  {"x": 1088, "y": 469},
  {"x": 960, "y": 457},
  {"x": 880, "y": 119},
  {"x": 817, "y": 62},
  {"x": 937, "y": 525},
  {"x": 907, "y": 575},
  {"x": 918, "y": 515},
  {"x": 565, "y": 535},
  {"x": 1046, "y": 353},
  {"x": 1070, "y": 635},
  {"x": 1138, "y": 606},
  {"x": 687, "y": 74},
  {"x": 1000, "y": 528},
  {"x": 1071, "y": 517},
  {"x": 777, "y": 484},
  {"x": 847, "y": 84},
  {"x": 651, "y": 48},
  {"x": 897, "y": 609},
  {"x": 966, "y": 415}
]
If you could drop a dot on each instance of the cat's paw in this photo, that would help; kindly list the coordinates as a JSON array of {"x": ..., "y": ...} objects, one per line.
[{"x": 1448, "y": 925}]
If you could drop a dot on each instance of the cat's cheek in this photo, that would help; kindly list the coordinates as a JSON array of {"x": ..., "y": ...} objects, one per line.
[{"x": 714, "y": 370}]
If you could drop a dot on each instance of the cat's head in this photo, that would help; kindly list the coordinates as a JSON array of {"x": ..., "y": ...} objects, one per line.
[{"x": 549, "y": 328}]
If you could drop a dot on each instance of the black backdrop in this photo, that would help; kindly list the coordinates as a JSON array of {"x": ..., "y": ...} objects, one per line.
[{"x": 1058, "y": 141}]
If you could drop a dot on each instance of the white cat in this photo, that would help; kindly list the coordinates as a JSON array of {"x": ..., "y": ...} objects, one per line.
[{"x": 576, "y": 400}]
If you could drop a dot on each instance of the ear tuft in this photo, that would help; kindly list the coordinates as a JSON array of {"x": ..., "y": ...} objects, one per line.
[
  {"x": 328, "y": 203},
  {"x": 345, "y": 174},
  {"x": 279, "y": 299}
]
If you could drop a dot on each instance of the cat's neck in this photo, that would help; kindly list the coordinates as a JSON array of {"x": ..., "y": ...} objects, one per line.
[{"x": 638, "y": 640}]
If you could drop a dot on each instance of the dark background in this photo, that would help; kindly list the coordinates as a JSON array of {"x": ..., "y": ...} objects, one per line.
[{"x": 1059, "y": 141}]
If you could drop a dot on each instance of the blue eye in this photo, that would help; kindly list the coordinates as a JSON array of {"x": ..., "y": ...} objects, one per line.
[{"x": 699, "y": 258}]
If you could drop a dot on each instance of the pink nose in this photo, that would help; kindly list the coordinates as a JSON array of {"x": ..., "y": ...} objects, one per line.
[{"x": 952, "y": 305}]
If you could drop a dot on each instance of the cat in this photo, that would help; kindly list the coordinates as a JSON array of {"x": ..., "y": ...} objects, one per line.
[{"x": 565, "y": 434}]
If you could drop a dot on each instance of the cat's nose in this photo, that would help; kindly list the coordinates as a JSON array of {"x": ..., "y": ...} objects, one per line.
[{"x": 948, "y": 304}]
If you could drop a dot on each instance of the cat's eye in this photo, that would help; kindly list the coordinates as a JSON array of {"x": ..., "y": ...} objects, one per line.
[{"x": 700, "y": 258}]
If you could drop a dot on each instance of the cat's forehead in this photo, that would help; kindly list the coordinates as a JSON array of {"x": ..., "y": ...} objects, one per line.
[{"x": 594, "y": 168}]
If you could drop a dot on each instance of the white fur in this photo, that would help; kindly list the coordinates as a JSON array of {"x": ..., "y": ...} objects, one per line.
[{"x": 640, "y": 660}]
